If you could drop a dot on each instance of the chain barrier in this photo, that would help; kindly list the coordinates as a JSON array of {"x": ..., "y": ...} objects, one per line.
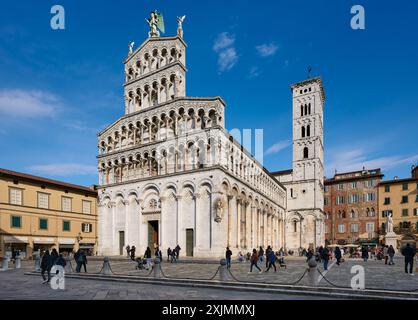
[
  {"x": 329, "y": 282},
  {"x": 284, "y": 284},
  {"x": 185, "y": 278}
]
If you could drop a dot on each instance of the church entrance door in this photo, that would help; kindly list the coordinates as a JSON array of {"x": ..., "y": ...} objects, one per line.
[
  {"x": 152, "y": 234},
  {"x": 189, "y": 242}
]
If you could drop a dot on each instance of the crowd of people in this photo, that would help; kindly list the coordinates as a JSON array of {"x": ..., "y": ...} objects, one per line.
[
  {"x": 269, "y": 257},
  {"x": 146, "y": 262},
  {"x": 49, "y": 259}
]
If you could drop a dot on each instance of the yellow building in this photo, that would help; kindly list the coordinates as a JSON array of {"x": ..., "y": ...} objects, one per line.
[
  {"x": 399, "y": 197},
  {"x": 38, "y": 213}
]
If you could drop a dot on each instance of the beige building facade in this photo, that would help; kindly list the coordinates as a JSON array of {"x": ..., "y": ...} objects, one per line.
[
  {"x": 38, "y": 213},
  {"x": 399, "y": 197}
]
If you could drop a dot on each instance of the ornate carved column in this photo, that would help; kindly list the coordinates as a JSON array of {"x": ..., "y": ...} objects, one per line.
[
  {"x": 239, "y": 204},
  {"x": 229, "y": 197}
]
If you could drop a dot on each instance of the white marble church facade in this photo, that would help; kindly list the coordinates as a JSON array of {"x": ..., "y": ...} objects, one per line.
[{"x": 170, "y": 174}]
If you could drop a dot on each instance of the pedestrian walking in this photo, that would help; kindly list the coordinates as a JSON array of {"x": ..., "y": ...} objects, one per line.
[
  {"x": 78, "y": 260},
  {"x": 261, "y": 254},
  {"x": 83, "y": 261},
  {"x": 169, "y": 255},
  {"x": 267, "y": 255},
  {"x": 386, "y": 253},
  {"x": 254, "y": 260},
  {"x": 271, "y": 260},
  {"x": 132, "y": 252},
  {"x": 177, "y": 252},
  {"x": 364, "y": 254},
  {"x": 54, "y": 256},
  {"x": 391, "y": 253},
  {"x": 147, "y": 255},
  {"x": 409, "y": 253},
  {"x": 228, "y": 255},
  {"x": 337, "y": 254},
  {"x": 128, "y": 251},
  {"x": 325, "y": 257},
  {"x": 46, "y": 265}
]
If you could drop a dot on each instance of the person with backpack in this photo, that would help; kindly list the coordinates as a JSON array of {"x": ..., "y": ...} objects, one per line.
[
  {"x": 254, "y": 260},
  {"x": 409, "y": 253},
  {"x": 391, "y": 253},
  {"x": 228, "y": 255},
  {"x": 46, "y": 265},
  {"x": 271, "y": 260}
]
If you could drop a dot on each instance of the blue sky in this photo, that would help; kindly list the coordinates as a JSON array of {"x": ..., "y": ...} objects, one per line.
[{"x": 58, "y": 88}]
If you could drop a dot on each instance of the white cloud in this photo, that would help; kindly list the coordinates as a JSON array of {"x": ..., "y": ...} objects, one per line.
[
  {"x": 267, "y": 49},
  {"x": 224, "y": 40},
  {"x": 277, "y": 147},
  {"x": 224, "y": 47},
  {"x": 63, "y": 169},
  {"x": 28, "y": 103},
  {"x": 227, "y": 59},
  {"x": 356, "y": 159},
  {"x": 254, "y": 72}
]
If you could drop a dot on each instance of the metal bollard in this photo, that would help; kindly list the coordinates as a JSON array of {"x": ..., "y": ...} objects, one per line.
[
  {"x": 312, "y": 272},
  {"x": 37, "y": 263},
  {"x": 5, "y": 265},
  {"x": 18, "y": 262},
  {"x": 68, "y": 267},
  {"x": 223, "y": 271},
  {"x": 106, "y": 267},
  {"x": 157, "y": 268}
]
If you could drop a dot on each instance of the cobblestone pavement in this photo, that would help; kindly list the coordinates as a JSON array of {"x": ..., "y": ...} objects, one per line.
[
  {"x": 17, "y": 286},
  {"x": 377, "y": 274}
]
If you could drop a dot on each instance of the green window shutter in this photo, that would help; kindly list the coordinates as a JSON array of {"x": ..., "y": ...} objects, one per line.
[
  {"x": 16, "y": 222},
  {"x": 43, "y": 224}
]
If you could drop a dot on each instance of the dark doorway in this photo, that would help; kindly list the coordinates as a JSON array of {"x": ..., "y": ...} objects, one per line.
[
  {"x": 189, "y": 242},
  {"x": 152, "y": 234},
  {"x": 121, "y": 242}
]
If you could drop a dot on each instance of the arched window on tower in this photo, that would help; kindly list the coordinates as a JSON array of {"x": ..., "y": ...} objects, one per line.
[
  {"x": 308, "y": 130},
  {"x": 306, "y": 109},
  {"x": 295, "y": 226},
  {"x": 301, "y": 111},
  {"x": 309, "y": 108},
  {"x": 305, "y": 153},
  {"x": 303, "y": 132}
]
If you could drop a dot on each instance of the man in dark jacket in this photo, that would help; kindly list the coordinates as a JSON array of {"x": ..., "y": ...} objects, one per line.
[
  {"x": 325, "y": 257},
  {"x": 46, "y": 265},
  {"x": 228, "y": 255},
  {"x": 337, "y": 254},
  {"x": 271, "y": 260},
  {"x": 409, "y": 253}
]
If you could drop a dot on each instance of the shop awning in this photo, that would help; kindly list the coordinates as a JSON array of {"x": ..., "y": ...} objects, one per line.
[
  {"x": 62, "y": 241},
  {"x": 86, "y": 246},
  {"x": 43, "y": 240},
  {"x": 15, "y": 239}
]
